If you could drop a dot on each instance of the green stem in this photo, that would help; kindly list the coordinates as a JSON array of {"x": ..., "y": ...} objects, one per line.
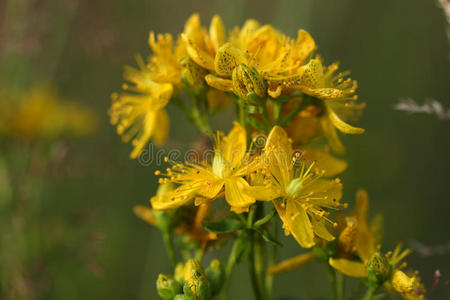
[
  {"x": 256, "y": 256},
  {"x": 370, "y": 292},
  {"x": 254, "y": 268},
  {"x": 339, "y": 286},
  {"x": 272, "y": 259},
  {"x": 230, "y": 265},
  {"x": 332, "y": 277},
  {"x": 200, "y": 121},
  {"x": 168, "y": 242}
]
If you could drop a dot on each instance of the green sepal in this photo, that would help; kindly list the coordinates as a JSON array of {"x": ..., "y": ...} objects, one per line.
[{"x": 265, "y": 234}]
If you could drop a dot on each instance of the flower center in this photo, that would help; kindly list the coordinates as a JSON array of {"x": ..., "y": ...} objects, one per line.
[
  {"x": 220, "y": 166},
  {"x": 294, "y": 187}
]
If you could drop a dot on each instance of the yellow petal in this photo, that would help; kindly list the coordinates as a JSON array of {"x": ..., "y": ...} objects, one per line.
[
  {"x": 225, "y": 85},
  {"x": 175, "y": 199},
  {"x": 235, "y": 195},
  {"x": 312, "y": 74},
  {"x": 144, "y": 213},
  {"x": 376, "y": 228},
  {"x": 162, "y": 132},
  {"x": 217, "y": 32},
  {"x": 263, "y": 192},
  {"x": 305, "y": 45},
  {"x": 325, "y": 192},
  {"x": 320, "y": 229},
  {"x": 228, "y": 58},
  {"x": 362, "y": 206},
  {"x": 278, "y": 157},
  {"x": 146, "y": 132},
  {"x": 234, "y": 145},
  {"x": 401, "y": 282},
  {"x": 197, "y": 54},
  {"x": 325, "y": 161},
  {"x": 299, "y": 224},
  {"x": 333, "y": 139},
  {"x": 348, "y": 267},
  {"x": 292, "y": 263},
  {"x": 342, "y": 126},
  {"x": 365, "y": 243},
  {"x": 211, "y": 188}
]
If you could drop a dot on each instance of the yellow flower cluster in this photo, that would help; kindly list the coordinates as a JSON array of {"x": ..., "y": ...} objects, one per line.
[
  {"x": 253, "y": 62},
  {"x": 283, "y": 92}
]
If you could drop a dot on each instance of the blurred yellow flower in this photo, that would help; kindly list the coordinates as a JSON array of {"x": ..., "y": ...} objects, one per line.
[
  {"x": 224, "y": 176},
  {"x": 187, "y": 222},
  {"x": 140, "y": 116},
  {"x": 359, "y": 237},
  {"x": 300, "y": 196},
  {"x": 164, "y": 66},
  {"x": 42, "y": 113}
]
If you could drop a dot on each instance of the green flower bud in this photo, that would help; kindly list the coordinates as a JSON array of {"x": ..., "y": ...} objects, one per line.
[
  {"x": 167, "y": 287},
  {"x": 378, "y": 269},
  {"x": 248, "y": 84},
  {"x": 165, "y": 220},
  {"x": 195, "y": 281},
  {"x": 193, "y": 73},
  {"x": 215, "y": 275}
]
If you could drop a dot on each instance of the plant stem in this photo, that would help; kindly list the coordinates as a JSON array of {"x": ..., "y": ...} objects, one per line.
[
  {"x": 332, "y": 276},
  {"x": 251, "y": 266},
  {"x": 339, "y": 286},
  {"x": 256, "y": 256},
  {"x": 230, "y": 265},
  {"x": 168, "y": 242},
  {"x": 370, "y": 292}
]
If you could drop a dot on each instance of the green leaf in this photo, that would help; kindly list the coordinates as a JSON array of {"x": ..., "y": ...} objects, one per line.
[{"x": 227, "y": 225}]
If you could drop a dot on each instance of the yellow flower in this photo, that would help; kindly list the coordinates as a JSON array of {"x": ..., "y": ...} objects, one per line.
[
  {"x": 273, "y": 57},
  {"x": 140, "y": 116},
  {"x": 408, "y": 286},
  {"x": 359, "y": 237},
  {"x": 338, "y": 97},
  {"x": 364, "y": 243},
  {"x": 42, "y": 113},
  {"x": 300, "y": 196},
  {"x": 223, "y": 177},
  {"x": 164, "y": 66},
  {"x": 189, "y": 220},
  {"x": 201, "y": 46}
]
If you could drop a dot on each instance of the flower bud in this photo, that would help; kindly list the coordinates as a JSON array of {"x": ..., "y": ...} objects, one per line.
[
  {"x": 215, "y": 275},
  {"x": 248, "y": 84},
  {"x": 192, "y": 73},
  {"x": 167, "y": 287},
  {"x": 179, "y": 271},
  {"x": 378, "y": 268},
  {"x": 195, "y": 281},
  {"x": 228, "y": 58}
]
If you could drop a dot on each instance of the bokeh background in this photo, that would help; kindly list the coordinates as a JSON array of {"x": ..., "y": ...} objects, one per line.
[{"x": 395, "y": 49}]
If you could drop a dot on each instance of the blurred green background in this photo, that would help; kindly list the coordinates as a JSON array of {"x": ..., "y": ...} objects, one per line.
[{"x": 395, "y": 49}]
